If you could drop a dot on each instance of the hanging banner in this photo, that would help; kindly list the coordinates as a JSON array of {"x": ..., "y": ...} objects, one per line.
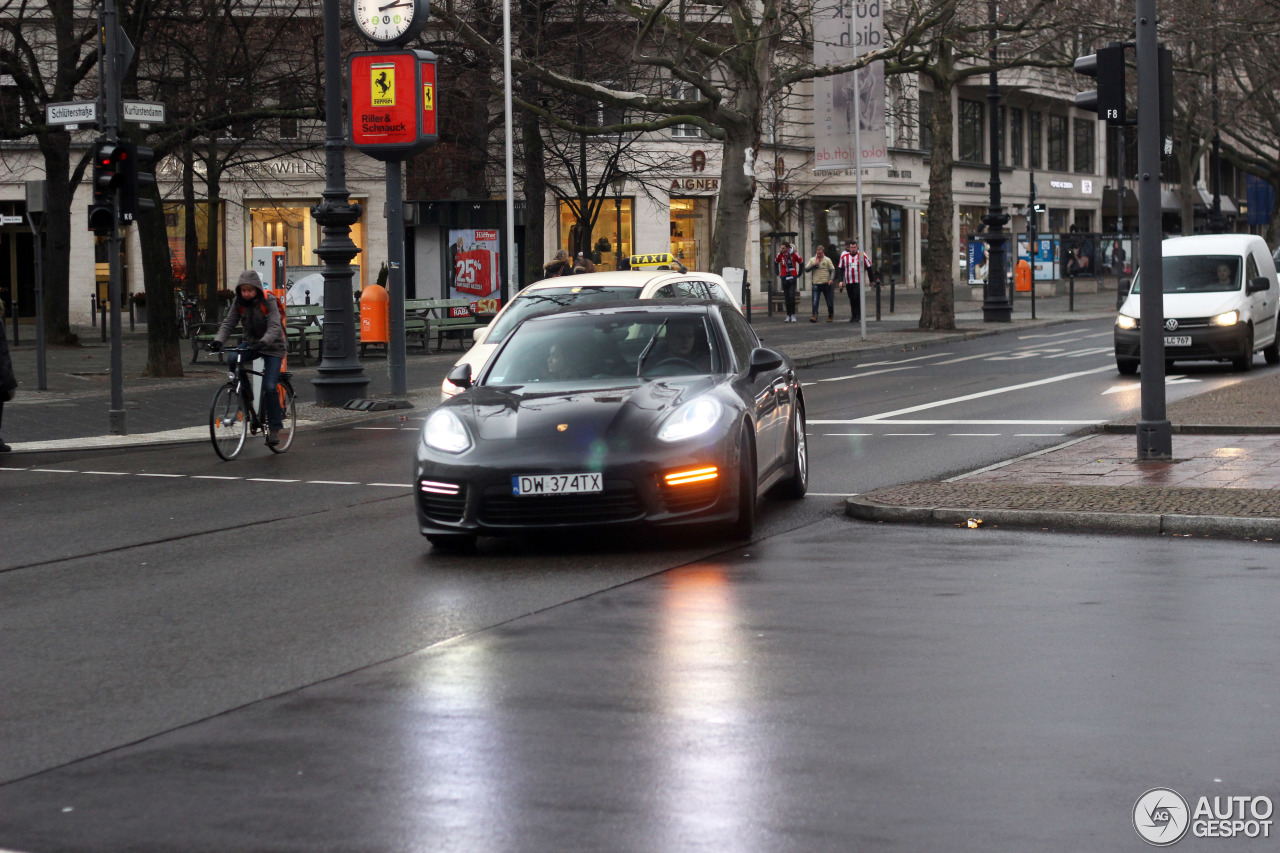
[
  {"x": 844, "y": 30},
  {"x": 474, "y": 270}
]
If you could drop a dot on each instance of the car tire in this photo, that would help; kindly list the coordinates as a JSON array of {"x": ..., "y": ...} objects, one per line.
[
  {"x": 1271, "y": 352},
  {"x": 745, "y": 524},
  {"x": 452, "y": 541},
  {"x": 1245, "y": 362},
  {"x": 1126, "y": 366},
  {"x": 795, "y": 486}
]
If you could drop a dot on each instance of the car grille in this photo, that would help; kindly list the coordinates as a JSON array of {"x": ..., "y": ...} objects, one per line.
[
  {"x": 690, "y": 496},
  {"x": 618, "y": 502},
  {"x": 443, "y": 507},
  {"x": 1183, "y": 325}
]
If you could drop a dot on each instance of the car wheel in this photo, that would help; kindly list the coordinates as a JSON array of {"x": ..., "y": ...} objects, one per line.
[
  {"x": 1126, "y": 366},
  {"x": 452, "y": 541},
  {"x": 745, "y": 525},
  {"x": 1272, "y": 352},
  {"x": 798, "y": 483},
  {"x": 1245, "y": 362}
]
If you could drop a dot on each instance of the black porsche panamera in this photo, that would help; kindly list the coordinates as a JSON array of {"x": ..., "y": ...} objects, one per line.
[{"x": 664, "y": 413}]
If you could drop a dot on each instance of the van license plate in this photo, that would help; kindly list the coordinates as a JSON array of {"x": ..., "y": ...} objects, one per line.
[
  {"x": 556, "y": 484},
  {"x": 1177, "y": 340}
]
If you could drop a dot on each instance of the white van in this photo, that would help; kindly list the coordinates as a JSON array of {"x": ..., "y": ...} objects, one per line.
[{"x": 1220, "y": 303}]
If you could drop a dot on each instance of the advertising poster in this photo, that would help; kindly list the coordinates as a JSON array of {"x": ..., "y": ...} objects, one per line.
[
  {"x": 1118, "y": 256},
  {"x": 843, "y": 31},
  {"x": 1079, "y": 256},
  {"x": 473, "y": 270},
  {"x": 977, "y": 261},
  {"x": 1043, "y": 259}
]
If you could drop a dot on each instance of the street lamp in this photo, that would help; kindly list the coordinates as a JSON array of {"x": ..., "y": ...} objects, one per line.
[
  {"x": 1217, "y": 225},
  {"x": 619, "y": 183},
  {"x": 995, "y": 303}
]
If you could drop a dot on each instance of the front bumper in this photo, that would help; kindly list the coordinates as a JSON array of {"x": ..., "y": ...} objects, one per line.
[
  {"x": 1207, "y": 342},
  {"x": 465, "y": 495}
]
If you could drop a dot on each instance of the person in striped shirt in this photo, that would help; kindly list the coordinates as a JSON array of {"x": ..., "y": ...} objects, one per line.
[{"x": 854, "y": 265}]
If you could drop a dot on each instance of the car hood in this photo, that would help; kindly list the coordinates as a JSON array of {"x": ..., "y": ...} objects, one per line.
[{"x": 607, "y": 411}]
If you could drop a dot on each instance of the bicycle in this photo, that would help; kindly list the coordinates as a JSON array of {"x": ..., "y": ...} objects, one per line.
[
  {"x": 234, "y": 415},
  {"x": 189, "y": 314}
]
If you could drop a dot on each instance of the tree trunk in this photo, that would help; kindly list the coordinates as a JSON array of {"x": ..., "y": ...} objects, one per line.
[
  {"x": 57, "y": 240},
  {"x": 937, "y": 305},
  {"x": 164, "y": 355},
  {"x": 535, "y": 188},
  {"x": 737, "y": 191}
]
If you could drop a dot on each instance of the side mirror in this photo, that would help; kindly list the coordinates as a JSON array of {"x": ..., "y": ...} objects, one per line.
[
  {"x": 479, "y": 333},
  {"x": 460, "y": 375},
  {"x": 763, "y": 359},
  {"x": 1259, "y": 284}
]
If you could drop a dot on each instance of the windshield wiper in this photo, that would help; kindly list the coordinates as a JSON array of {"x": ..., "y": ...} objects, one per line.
[{"x": 647, "y": 347}]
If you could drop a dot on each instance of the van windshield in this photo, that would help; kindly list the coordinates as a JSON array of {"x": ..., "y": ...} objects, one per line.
[{"x": 1198, "y": 274}]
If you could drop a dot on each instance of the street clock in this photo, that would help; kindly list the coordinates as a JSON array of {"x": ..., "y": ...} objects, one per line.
[{"x": 390, "y": 22}]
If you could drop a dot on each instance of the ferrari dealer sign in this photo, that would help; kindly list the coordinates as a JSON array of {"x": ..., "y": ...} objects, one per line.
[{"x": 392, "y": 102}]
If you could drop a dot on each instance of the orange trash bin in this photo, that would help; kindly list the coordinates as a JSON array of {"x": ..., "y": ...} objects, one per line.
[
  {"x": 375, "y": 326},
  {"x": 1022, "y": 276}
]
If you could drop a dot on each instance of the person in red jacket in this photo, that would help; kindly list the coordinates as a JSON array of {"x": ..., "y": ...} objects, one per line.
[
  {"x": 788, "y": 264},
  {"x": 854, "y": 265}
]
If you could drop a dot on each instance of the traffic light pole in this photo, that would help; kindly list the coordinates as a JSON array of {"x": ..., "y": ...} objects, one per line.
[
  {"x": 1155, "y": 434},
  {"x": 109, "y": 80}
]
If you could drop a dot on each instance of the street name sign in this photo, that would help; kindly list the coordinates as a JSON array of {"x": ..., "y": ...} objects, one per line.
[
  {"x": 72, "y": 113},
  {"x": 144, "y": 112}
]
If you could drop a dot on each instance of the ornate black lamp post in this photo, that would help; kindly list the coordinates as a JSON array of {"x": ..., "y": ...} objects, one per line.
[
  {"x": 341, "y": 376},
  {"x": 996, "y": 307}
]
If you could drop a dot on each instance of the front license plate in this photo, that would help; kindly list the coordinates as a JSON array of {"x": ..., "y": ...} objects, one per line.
[
  {"x": 1177, "y": 340},
  {"x": 556, "y": 484}
]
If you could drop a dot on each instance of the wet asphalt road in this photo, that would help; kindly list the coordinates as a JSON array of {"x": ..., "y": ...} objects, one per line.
[{"x": 842, "y": 687}]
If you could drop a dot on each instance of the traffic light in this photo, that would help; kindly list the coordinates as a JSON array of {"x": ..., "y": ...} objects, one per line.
[
  {"x": 105, "y": 179},
  {"x": 136, "y": 180},
  {"x": 1108, "y": 100}
]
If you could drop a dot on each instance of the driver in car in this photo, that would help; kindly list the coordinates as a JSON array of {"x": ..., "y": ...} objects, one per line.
[{"x": 687, "y": 343}]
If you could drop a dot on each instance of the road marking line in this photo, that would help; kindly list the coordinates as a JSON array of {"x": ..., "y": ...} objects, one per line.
[
  {"x": 55, "y": 471},
  {"x": 393, "y": 429},
  {"x": 912, "y": 422},
  {"x": 870, "y": 373},
  {"x": 1038, "y": 434},
  {"x": 1054, "y": 335},
  {"x": 976, "y": 434},
  {"x": 1083, "y": 352},
  {"x": 332, "y": 482},
  {"x": 910, "y": 433},
  {"x": 108, "y": 473},
  {"x": 213, "y": 477},
  {"x": 832, "y": 494},
  {"x": 904, "y": 360},
  {"x": 161, "y": 475},
  {"x": 976, "y": 396},
  {"x": 13, "y": 469},
  {"x": 270, "y": 480},
  {"x": 848, "y": 433},
  {"x": 392, "y": 485},
  {"x": 972, "y": 357}
]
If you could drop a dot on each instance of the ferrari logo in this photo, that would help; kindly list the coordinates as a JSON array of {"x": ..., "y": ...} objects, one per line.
[
  {"x": 561, "y": 427},
  {"x": 382, "y": 80},
  {"x": 428, "y": 97}
]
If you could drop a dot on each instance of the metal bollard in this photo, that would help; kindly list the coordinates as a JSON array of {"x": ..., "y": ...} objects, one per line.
[
  {"x": 131, "y": 315},
  {"x": 877, "y": 286},
  {"x": 93, "y": 308},
  {"x": 892, "y": 293},
  {"x": 1071, "y": 293},
  {"x": 103, "y": 306}
]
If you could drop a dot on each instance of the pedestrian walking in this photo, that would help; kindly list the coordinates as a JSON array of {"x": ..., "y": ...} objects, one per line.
[
  {"x": 822, "y": 270},
  {"x": 8, "y": 382},
  {"x": 788, "y": 264},
  {"x": 853, "y": 265},
  {"x": 558, "y": 266}
]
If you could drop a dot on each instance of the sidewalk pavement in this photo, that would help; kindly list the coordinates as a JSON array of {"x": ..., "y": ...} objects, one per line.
[{"x": 1224, "y": 480}]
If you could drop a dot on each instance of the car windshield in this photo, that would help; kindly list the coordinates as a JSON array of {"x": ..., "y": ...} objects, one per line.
[
  {"x": 550, "y": 299},
  {"x": 609, "y": 347},
  {"x": 1198, "y": 274}
]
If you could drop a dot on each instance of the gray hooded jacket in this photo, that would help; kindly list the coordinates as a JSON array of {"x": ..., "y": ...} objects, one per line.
[{"x": 259, "y": 317}]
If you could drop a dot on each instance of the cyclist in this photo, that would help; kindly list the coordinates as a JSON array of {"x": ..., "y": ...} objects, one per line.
[{"x": 264, "y": 333}]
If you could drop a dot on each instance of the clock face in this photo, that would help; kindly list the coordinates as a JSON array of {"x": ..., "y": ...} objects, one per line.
[{"x": 389, "y": 21}]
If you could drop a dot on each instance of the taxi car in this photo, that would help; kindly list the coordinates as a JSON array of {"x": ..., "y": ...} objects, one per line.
[
  {"x": 650, "y": 278},
  {"x": 652, "y": 413}
]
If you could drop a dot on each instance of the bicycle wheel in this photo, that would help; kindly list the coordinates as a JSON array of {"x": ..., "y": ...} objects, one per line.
[
  {"x": 227, "y": 422},
  {"x": 289, "y": 412}
]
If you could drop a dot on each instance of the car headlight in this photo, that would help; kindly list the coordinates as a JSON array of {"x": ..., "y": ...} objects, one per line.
[
  {"x": 692, "y": 419},
  {"x": 444, "y": 431},
  {"x": 1230, "y": 318},
  {"x": 1124, "y": 321}
]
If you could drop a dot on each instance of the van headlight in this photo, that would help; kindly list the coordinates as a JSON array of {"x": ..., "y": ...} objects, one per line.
[
  {"x": 445, "y": 431},
  {"x": 1230, "y": 318},
  {"x": 1124, "y": 321},
  {"x": 692, "y": 419}
]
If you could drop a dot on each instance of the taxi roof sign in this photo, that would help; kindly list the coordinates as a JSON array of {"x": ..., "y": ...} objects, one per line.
[{"x": 659, "y": 261}]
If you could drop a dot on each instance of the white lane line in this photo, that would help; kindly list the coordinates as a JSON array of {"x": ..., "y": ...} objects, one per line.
[
  {"x": 832, "y": 494},
  {"x": 1054, "y": 335},
  {"x": 975, "y": 434},
  {"x": 55, "y": 471},
  {"x": 967, "y": 397},
  {"x": 161, "y": 475},
  {"x": 869, "y": 373},
  {"x": 379, "y": 428},
  {"x": 904, "y": 360},
  {"x": 1039, "y": 434},
  {"x": 1020, "y": 458},
  {"x": 1107, "y": 334},
  {"x": 848, "y": 433},
  {"x": 911, "y": 433},
  {"x": 973, "y": 357},
  {"x": 271, "y": 480},
  {"x": 1083, "y": 352},
  {"x": 213, "y": 477},
  {"x": 921, "y": 422},
  {"x": 108, "y": 473},
  {"x": 332, "y": 482},
  {"x": 392, "y": 485}
]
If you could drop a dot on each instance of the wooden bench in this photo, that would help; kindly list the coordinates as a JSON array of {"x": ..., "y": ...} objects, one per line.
[
  {"x": 201, "y": 336},
  {"x": 441, "y": 317}
]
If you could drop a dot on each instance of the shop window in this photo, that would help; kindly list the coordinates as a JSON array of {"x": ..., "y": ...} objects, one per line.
[
  {"x": 290, "y": 226},
  {"x": 604, "y": 237},
  {"x": 1057, "y": 143},
  {"x": 685, "y": 92},
  {"x": 970, "y": 132},
  {"x": 691, "y": 231},
  {"x": 1034, "y": 134},
  {"x": 189, "y": 256},
  {"x": 1015, "y": 136}
]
